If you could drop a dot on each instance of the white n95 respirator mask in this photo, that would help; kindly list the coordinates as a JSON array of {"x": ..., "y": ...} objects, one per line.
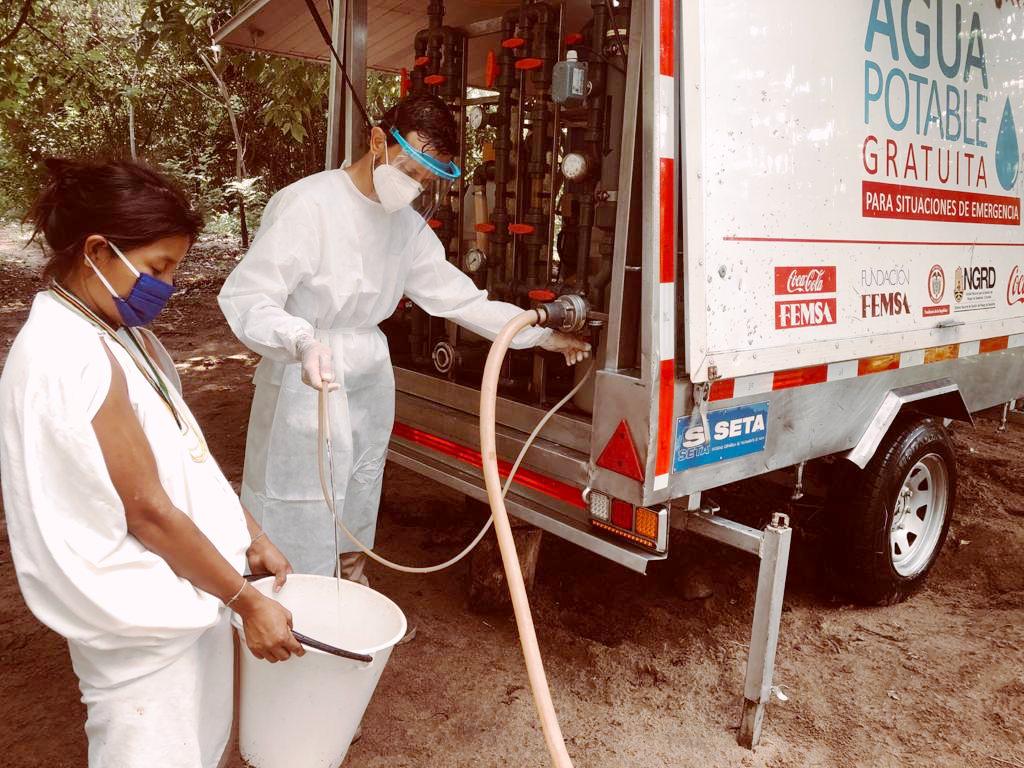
[{"x": 395, "y": 189}]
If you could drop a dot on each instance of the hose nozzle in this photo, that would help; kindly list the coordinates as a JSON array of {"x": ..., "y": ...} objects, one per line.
[{"x": 567, "y": 313}]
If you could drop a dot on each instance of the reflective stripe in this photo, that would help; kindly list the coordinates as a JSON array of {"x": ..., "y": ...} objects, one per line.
[
  {"x": 666, "y": 12},
  {"x": 761, "y": 383}
]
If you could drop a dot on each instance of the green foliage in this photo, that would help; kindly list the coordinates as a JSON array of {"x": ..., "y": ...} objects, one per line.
[
  {"x": 76, "y": 71},
  {"x": 382, "y": 90}
]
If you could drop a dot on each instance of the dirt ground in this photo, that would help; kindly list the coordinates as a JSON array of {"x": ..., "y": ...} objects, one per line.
[{"x": 640, "y": 676}]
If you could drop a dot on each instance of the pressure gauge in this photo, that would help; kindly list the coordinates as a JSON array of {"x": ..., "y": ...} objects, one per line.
[
  {"x": 575, "y": 166},
  {"x": 476, "y": 117},
  {"x": 474, "y": 260}
]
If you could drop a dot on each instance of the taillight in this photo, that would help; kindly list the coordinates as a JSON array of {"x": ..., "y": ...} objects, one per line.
[
  {"x": 622, "y": 514},
  {"x": 646, "y": 523},
  {"x": 600, "y": 507},
  {"x": 644, "y": 526}
]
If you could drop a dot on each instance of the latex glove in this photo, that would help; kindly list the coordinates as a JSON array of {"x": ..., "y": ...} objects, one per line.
[
  {"x": 574, "y": 348},
  {"x": 317, "y": 365}
]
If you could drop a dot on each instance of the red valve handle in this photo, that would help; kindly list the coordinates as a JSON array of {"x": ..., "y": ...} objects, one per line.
[
  {"x": 574, "y": 38},
  {"x": 434, "y": 79},
  {"x": 434, "y": 223},
  {"x": 513, "y": 42},
  {"x": 485, "y": 228},
  {"x": 529, "y": 63},
  {"x": 422, "y": 61},
  {"x": 491, "y": 70},
  {"x": 521, "y": 229},
  {"x": 542, "y": 295}
]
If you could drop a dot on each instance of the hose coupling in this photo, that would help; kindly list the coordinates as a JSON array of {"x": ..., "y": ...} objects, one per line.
[{"x": 567, "y": 313}]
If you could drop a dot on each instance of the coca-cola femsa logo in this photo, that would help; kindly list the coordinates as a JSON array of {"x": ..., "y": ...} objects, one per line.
[
  {"x": 1015, "y": 286},
  {"x": 799, "y": 280}
]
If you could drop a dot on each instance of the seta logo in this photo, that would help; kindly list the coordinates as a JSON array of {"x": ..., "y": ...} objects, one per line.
[
  {"x": 797, "y": 280},
  {"x": 884, "y": 304},
  {"x": 1015, "y": 286},
  {"x": 936, "y": 284},
  {"x": 742, "y": 426},
  {"x": 804, "y": 314}
]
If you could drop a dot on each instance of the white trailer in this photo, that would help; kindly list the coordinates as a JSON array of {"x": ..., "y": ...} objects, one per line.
[{"x": 809, "y": 218}]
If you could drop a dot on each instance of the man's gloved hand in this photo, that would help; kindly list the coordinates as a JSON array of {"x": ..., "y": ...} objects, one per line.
[
  {"x": 574, "y": 348},
  {"x": 317, "y": 367}
]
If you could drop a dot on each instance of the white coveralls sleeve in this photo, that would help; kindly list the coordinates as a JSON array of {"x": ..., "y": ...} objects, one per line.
[
  {"x": 286, "y": 249},
  {"x": 444, "y": 290}
]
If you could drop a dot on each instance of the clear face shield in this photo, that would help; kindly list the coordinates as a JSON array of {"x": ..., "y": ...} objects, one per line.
[{"x": 413, "y": 177}]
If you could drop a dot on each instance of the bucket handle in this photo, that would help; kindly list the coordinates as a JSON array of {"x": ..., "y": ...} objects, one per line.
[{"x": 309, "y": 642}]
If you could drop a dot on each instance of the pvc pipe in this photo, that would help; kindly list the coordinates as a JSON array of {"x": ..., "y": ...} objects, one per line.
[{"x": 506, "y": 544}]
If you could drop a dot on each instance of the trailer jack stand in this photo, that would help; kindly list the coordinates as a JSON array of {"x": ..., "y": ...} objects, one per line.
[{"x": 772, "y": 547}]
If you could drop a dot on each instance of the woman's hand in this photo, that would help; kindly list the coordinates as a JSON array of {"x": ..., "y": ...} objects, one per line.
[
  {"x": 574, "y": 348},
  {"x": 267, "y": 626},
  {"x": 264, "y": 557}
]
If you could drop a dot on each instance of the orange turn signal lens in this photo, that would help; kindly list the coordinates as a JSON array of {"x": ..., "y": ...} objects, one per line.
[{"x": 645, "y": 523}]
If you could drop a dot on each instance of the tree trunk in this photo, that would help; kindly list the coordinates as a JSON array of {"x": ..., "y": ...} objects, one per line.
[
  {"x": 242, "y": 225},
  {"x": 225, "y": 95},
  {"x": 131, "y": 129}
]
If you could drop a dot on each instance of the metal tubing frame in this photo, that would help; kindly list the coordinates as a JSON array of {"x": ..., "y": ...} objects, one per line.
[
  {"x": 654, "y": 109},
  {"x": 346, "y": 136},
  {"x": 630, "y": 109},
  {"x": 772, "y": 547}
]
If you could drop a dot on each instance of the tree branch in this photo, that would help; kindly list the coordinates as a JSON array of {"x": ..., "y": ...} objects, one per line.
[{"x": 25, "y": 10}]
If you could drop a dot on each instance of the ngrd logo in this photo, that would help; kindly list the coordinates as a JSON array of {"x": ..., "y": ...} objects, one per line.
[{"x": 967, "y": 279}]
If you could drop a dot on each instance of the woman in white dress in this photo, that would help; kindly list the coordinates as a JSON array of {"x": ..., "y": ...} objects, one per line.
[{"x": 126, "y": 537}]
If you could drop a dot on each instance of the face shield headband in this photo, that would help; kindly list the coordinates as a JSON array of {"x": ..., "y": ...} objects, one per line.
[{"x": 448, "y": 171}]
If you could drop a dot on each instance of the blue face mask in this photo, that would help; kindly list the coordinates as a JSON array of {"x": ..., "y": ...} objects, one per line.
[{"x": 145, "y": 301}]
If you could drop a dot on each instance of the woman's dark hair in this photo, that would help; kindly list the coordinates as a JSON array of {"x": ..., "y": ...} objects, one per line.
[
  {"x": 124, "y": 201},
  {"x": 430, "y": 117}
]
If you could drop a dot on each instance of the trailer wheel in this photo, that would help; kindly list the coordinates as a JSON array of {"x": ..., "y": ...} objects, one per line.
[{"x": 897, "y": 513}]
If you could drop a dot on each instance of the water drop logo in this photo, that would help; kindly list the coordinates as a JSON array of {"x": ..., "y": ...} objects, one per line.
[{"x": 1007, "y": 150}]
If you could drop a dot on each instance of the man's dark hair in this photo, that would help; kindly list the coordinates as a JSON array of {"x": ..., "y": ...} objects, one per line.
[{"x": 428, "y": 116}]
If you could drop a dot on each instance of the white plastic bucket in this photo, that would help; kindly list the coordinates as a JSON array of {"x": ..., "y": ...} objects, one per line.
[{"x": 305, "y": 711}]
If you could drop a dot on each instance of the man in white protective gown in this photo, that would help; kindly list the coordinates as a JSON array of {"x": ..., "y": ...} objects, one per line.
[{"x": 334, "y": 254}]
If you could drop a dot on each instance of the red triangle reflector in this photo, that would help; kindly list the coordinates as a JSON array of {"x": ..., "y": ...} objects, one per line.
[{"x": 620, "y": 454}]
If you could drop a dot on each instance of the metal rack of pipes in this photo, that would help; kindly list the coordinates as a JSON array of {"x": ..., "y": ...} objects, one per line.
[{"x": 534, "y": 215}]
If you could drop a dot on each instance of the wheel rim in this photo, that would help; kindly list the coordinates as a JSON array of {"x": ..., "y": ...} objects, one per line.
[{"x": 919, "y": 515}]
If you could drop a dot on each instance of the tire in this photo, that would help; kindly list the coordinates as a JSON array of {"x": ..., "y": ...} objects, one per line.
[{"x": 895, "y": 513}]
